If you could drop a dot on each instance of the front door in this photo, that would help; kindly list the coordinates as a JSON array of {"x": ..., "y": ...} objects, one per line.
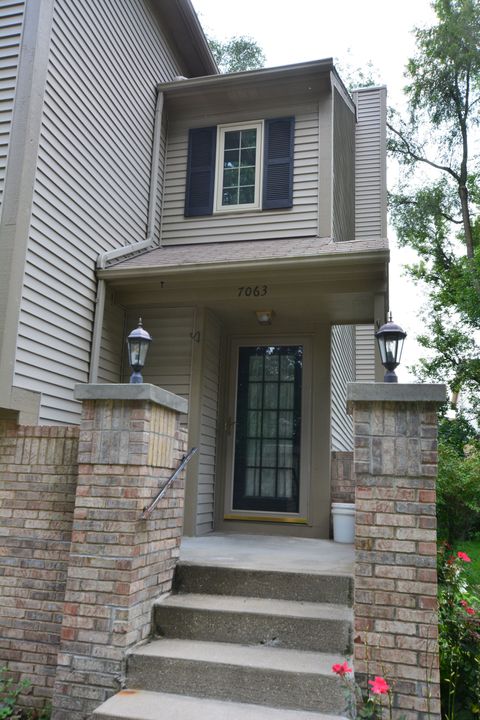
[{"x": 268, "y": 429}]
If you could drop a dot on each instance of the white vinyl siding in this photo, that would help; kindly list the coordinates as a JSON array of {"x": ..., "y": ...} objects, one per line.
[
  {"x": 370, "y": 164},
  {"x": 208, "y": 425},
  {"x": 11, "y": 21},
  {"x": 299, "y": 221},
  {"x": 91, "y": 184},
  {"x": 343, "y": 169},
  {"x": 365, "y": 353},
  {"x": 342, "y": 372}
]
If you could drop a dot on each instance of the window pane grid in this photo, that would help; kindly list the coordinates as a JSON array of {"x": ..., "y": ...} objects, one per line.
[{"x": 239, "y": 167}]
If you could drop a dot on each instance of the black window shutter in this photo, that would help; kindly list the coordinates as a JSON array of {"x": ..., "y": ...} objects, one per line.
[
  {"x": 200, "y": 171},
  {"x": 278, "y": 163}
]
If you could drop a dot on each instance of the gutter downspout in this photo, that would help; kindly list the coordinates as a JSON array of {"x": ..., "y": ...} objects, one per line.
[{"x": 118, "y": 253}]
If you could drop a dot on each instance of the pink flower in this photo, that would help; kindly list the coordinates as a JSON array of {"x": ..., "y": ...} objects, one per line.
[
  {"x": 463, "y": 603},
  {"x": 463, "y": 556},
  {"x": 470, "y": 611},
  {"x": 379, "y": 686},
  {"x": 342, "y": 669}
]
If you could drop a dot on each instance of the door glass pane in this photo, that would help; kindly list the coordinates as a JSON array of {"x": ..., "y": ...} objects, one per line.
[{"x": 268, "y": 425}]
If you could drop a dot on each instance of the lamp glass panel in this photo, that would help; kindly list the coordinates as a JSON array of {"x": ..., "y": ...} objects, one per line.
[
  {"x": 381, "y": 347},
  {"x": 391, "y": 350},
  {"x": 400, "y": 349},
  {"x": 134, "y": 352},
  {"x": 138, "y": 352}
]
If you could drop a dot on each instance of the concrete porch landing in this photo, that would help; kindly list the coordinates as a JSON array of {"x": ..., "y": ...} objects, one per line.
[{"x": 268, "y": 552}]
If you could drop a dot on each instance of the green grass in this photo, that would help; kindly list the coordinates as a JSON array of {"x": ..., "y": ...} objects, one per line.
[{"x": 472, "y": 548}]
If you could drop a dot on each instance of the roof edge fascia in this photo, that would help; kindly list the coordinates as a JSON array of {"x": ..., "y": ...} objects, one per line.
[
  {"x": 239, "y": 78},
  {"x": 196, "y": 54}
]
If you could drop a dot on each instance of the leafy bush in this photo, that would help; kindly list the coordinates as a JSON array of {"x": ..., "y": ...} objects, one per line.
[
  {"x": 9, "y": 693},
  {"x": 458, "y": 490},
  {"x": 459, "y": 638}
]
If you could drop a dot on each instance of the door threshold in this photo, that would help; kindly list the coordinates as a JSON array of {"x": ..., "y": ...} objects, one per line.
[{"x": 267, "y": 518}]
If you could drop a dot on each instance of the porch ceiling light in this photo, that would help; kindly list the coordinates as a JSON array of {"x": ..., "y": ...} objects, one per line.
[
  {"x": 390, "y": 339},
  {"x": 138, "y": 343},
  {"x": 264, "y": 317}
]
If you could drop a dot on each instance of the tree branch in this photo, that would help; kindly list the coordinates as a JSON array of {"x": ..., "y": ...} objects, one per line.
[
  {"x": 407, "y": 201},
  {"x": 419, "y": 158}
]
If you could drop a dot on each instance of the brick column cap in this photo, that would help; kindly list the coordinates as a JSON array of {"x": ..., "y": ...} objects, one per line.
[
  {"x": 435, "y": 393},
  {"x": 127, "y": 391}
]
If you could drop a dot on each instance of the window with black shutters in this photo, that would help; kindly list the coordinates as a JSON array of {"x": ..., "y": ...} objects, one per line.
[{"x": 241, "y": 166}]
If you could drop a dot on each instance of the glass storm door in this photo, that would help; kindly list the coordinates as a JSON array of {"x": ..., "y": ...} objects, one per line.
[{"x": 268, "y": 428}]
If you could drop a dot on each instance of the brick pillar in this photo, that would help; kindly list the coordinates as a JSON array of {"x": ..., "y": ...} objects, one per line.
[
  {"x": 395, "y": 607},
  {"x": 130, "y": 442}
]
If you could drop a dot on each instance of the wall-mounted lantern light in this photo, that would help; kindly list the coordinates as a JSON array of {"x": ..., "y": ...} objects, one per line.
[
  {"x": 264, "y": 317},
  {"x": 138, "y": 343},
  {"x": 390, "y": 339}
]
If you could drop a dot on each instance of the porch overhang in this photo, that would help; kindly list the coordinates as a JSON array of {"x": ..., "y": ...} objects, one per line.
[
  {"x": 284, "y": 254},
  {"x": 308, "y": 278}
]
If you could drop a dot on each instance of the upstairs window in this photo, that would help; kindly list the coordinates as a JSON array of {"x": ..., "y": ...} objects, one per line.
[
  {"x": 240, "y": 167},
  {"x": 238, "y": 175}
]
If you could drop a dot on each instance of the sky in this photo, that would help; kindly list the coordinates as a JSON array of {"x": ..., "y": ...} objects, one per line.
[{"x": 354, "y": 33}]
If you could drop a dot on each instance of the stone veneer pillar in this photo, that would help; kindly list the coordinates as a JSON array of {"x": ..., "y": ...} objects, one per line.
[
  {"x": 395, "y": 605},
  {"x": 130, "y": 442}
]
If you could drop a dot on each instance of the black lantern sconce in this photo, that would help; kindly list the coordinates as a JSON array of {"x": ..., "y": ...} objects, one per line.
[
  {"x": 390, "y": 339},
  {"x": 138, "y": 343}
]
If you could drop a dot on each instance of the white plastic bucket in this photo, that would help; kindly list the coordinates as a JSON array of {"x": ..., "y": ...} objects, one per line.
[{"x": 343, "y": 516}]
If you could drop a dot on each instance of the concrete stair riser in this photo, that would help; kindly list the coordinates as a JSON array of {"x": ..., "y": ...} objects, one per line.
[
  {"x": 144, "y": 705},
  {"x": 261, "y": 686},
  {"x": 249, "y": 628},
  {"x": 336, "y": 589}
]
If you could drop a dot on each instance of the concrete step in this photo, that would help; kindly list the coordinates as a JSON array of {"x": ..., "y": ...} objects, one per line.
[
  {"x": 276, "y": 677},
  {"x": 220, "y": 580},
  {"x": 255, "y": 621},
  {"x": 144, "y": 705}
]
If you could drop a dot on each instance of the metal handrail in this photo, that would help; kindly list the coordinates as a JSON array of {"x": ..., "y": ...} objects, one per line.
[{"x": 148, "y": 509}]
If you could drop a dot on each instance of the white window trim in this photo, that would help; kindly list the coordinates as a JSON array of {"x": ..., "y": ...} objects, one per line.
[{"x": 221, "y": 130}]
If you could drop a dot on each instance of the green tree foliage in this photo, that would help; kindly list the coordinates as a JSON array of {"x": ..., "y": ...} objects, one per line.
[
  {"x": 437, "y": 214},
  {"x": 458, "y": 492},
  {"x": 237, "y": 54}
]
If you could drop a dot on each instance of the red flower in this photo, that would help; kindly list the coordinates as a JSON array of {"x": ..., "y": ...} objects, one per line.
[
  {"x": 463, "y": 556},
  {"x": 463, "y": 603},
  {"x": 470, "y": 611},
  {"x": 342, "y": 669},
  {"x": 379, "y": 686}
]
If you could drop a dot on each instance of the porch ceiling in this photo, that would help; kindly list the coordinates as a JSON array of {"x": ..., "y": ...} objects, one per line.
[{"x": 303, "y": 282}]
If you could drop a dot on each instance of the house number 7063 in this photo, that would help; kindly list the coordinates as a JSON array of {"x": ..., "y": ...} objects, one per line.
[{"x": 252, "y": 290}]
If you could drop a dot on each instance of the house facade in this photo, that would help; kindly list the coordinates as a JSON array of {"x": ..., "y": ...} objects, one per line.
[{"x": 242, "y": 217}]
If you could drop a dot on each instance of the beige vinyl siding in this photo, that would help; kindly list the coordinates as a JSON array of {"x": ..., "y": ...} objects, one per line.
[
  {"x": 343, "y": 169},
  {"x": 91, "y": 184},
  {"x": 370, "y": 163},
  {"x": 11, "y": 21},
  {"x": 343, "y": 372},
  {"x": 169, "y": 360},
  {"x": 208, "y": 424},
  {"x": 365, "y": 353},
  {"x": 112, "y": 347},
  {"x": 299, "y": 221}
]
